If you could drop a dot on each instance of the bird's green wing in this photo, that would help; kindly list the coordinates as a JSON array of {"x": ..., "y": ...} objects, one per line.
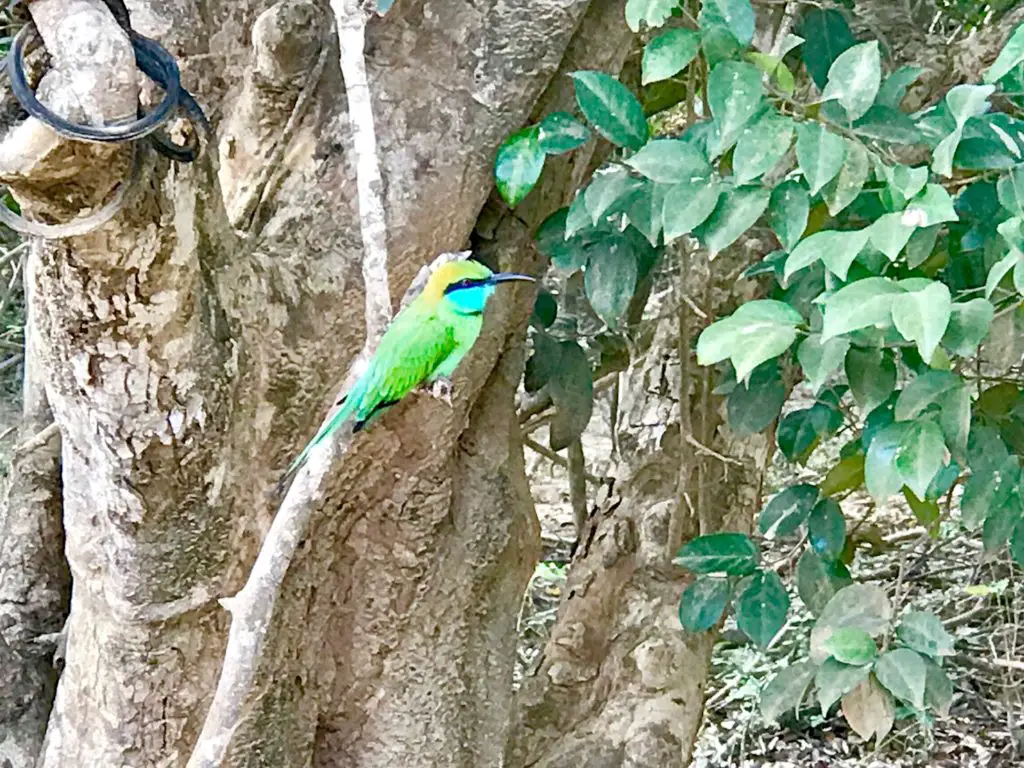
[{"x": 410, "y": 350}]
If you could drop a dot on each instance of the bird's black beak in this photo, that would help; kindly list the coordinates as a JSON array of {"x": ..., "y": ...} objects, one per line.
[{"x": 508, "y": 277}]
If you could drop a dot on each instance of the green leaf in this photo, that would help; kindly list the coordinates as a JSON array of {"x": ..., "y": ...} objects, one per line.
[
  {"x": 610, "y": 280},
  {"x": 668, "y": 54},
  {"x": 734, "y": 96},
  {"x": 844, "y": 476},
  {"x": 1017, "y": 542},
  {"x": 789, "y": 206},
  {"x": 800, "y": 431},
  {"x": 931, "y": 206},
  {"x": 611, "y": 108},
  {"x": 687, "y": 205},
  {"x": 754, "y": 333},
  {"x": 777, "y": 71},
  {"x": 819, "y": 153},
  {"x": 881, "y": 475},
  {"x": 845, "y": 187},
  {"x": 926, "y": 512},
  {"x": 904, "y": 183},
  {"x": 826, "y": 35},
  {"x": 761, "y": 608},
  {"x": 854, "y": 78},
  {"x": 703, "y": 603},
  {"x": 518, "y": 165},
  {"x": 826, "y": 531},
  {"x": 864, "y": 606},
  {"x": 963, "y": 102},
  {"x": 872, "y": 376},
  {"x": 572, "y": 392},
  {"x": 851, "y": 645},
  {"x": 671, "y": 161},
  {"x": 837, "y": 250},
  {"x": 889, "y": 234},
  {"x": 737, "y": 211},
  {"x": 986, "y": 491},
  {"x": 761, "y": 146},
  {"x": 895, "y": 86},
  {"x": 737, "y": 15},
  {"x": 653, "y": 13},
  {"x": 858, "y": 305},
  {"x": 1003, "y": 515},
  {"x": 608, "y": 191},
  {"x": 903, "y": 672},
  {"x": 889, "y": 125},
  {"x": 561, "y": 132},
  {"x": 578, "y": 217},
  {"x": 753, "y": 406},
  {"x": 543, "y": 363},
  {"x": 923, "y": 316},
  {"x": 921, "y": 245},
  {"x": 1010, "y": 190},
  {"x": 1000, "y": 270},
  {"x": 645, "y": 210},
  {"x": 1009, "y": 57},
  {"x": 787, "y": 510},
  {"x": 938, "y": 688},
  {"x": 923, "y": 632},
  {"x": 813, "y": 583},
  {"x": 923, "y": 392},
  {"x": 834, "y": 679},
  {"x": 786, "y": 690},
  {"x": 731, "y": 553},
  {"x": 921, "y": 454},
  {"x": 819, "y": 359}
]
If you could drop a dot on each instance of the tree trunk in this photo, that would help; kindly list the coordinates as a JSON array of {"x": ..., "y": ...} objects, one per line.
[
  {"x": 188, "y": 347},
  {"x": 620, "y": 683}
]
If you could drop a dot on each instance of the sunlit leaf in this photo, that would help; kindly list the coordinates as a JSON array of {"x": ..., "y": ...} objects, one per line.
[
  {"x": 861, "y": 304},
  {"x": 819, "y": 359},
  {"x": 854, "y": 78},
  {"x": 1009, "y": 57},
  {"x": 518, "y": 165},
  {"x": 611, "y": 108},
  {"x": 923, "y": 632},
  {"x": 864, "y": 606},
  {"x": 761, "y": 146},
  {"x": 737, "y": 211},
  {"x": 653, "y": 13},
  {"x": 819, "y": 153},
  {"x": 904, "y": 674},
  {"x": 923, "y": 316},
  {"x": 737, "y": 15},
  {"x": 845, "y": 187},
  {"x": 731, "y": 553},
  {"x": 837, "y": 250},
  {"x": 561, "y": 132},
  {"x": 921, "y": 453},
  {"x": 687, "y": 205},
  {"x": 789, "y": 207},
  {"x": 668, "y": 54},
  {"x": 671, "y": 161},
  {"x": 734, "y": 96}
]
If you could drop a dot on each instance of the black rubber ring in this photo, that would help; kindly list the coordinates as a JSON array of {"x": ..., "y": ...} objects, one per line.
[{"x": 154, "y": 61}]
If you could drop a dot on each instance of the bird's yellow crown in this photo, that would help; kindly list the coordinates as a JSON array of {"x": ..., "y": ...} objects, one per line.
[{"x": 451, "y": 272}]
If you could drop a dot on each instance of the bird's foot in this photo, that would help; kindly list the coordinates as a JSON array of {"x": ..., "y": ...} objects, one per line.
[{"x": 442, "y": 390}]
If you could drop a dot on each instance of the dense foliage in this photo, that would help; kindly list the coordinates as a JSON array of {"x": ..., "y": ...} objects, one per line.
[{"x": 901, "y": 246}]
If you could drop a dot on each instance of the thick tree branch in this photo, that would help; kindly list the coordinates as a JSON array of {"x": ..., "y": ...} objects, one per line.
[{"x": 252, "y": 608}]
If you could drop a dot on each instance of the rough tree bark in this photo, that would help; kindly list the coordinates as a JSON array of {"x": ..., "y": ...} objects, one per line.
[
  {"x": 619, "y": 683},
  {"x": 188, "y": 347}
]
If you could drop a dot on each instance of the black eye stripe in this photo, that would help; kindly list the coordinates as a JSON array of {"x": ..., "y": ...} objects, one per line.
[{"x": 467, "y": 282}]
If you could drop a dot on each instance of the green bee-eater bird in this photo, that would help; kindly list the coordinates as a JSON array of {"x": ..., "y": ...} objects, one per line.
[{"x": 423, "y": 344}]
